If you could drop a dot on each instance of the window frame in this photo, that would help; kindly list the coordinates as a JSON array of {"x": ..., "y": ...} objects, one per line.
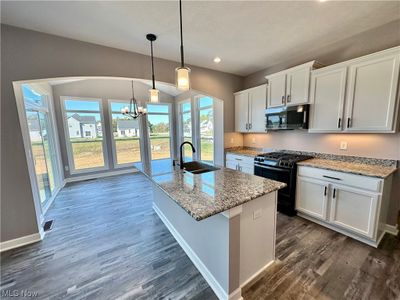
[
  {"x": 180, "y": 112},
  {"x": 171, "y": 131},
  {"x": 198, "y": 139},
  {"x": 70, "y": 156},
  {"x": 113, "y": 142}
]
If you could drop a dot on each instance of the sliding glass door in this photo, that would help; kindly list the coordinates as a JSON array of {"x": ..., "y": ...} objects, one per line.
[{"x": 42, "y": 140}]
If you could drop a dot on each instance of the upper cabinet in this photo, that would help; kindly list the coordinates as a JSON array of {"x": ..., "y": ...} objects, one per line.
[
  {"x": 291, "y": 86},
  {"x": 359, "y": 95},
  {"x": 250, "y": 108}
]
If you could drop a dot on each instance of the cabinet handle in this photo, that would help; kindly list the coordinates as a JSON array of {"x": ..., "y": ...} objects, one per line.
[
  {"x": 325, "y": 189},
  {"x": 238, "y": 158},
  {"x": 250, "y": 125},
  {"x": 348, "y": 122},
  {"x": 283, "y": 99},
  {"x": 330, "y": 177},
  {"x": 334, "y": 193},
  {"x": 339, "y": 123},
  {"x": 247, "y": 126},
  {"x": 288, "y": 98}
]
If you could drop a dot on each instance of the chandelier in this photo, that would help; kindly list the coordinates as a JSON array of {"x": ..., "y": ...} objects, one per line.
[{"x": 134, "y": 110}]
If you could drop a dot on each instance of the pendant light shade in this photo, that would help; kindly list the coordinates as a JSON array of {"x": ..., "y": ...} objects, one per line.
[
  {"x": 182, "y": 74},
  {"x": 153, "y": 92},
  {"x": 183, "y": 78}
]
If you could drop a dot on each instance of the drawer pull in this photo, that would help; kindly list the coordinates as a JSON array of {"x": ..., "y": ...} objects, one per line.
[
  {"x": 325, "y": 191},
  {"x": 330, "y": 177},
  {"x": 238, "y": 158},
  {"x": 334, "y": 193}
]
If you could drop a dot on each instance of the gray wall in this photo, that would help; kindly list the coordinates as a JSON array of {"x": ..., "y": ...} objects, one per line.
[
  {"x": 367, "y": 42},
  {"x": 32, "y": 55},
  {"x": 104, "y": 89}
]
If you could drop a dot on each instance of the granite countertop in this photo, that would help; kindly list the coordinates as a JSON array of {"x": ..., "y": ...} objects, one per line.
[
  {"x": 372, "y": 170},
  {"x": 207, "y": 194},
  {"x": 251, "y": 152}
]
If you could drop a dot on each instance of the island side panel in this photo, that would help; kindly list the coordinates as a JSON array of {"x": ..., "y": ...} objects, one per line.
[
  {"x": 206, "y": 242},
  {"x": 257, "y": 236}
]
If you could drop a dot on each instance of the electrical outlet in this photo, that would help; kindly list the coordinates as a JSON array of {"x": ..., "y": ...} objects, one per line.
[
  {"x": 232, "y": 140},
  {"x": 66, "y": 168},
  {"x": 253, "y": 140},
  {"x": 257, "y": 214},
  {"x": 343, "y": 145}
]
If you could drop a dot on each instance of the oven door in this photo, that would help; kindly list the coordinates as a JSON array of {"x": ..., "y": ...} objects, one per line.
[{"x": 286, "y": 203}]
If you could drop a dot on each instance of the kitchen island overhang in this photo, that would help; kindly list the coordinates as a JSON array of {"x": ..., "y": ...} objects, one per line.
[{"x": 224, "y": 220}]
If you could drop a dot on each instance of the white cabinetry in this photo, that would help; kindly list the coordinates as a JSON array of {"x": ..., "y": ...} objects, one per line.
[
  {"x": 250, "y": 108},
  {"x": 290, "y": 87},
  {"x": 240, "y": 163},
  {"x": 354, "y": 205},
  {"x": 359, "y": 95}
]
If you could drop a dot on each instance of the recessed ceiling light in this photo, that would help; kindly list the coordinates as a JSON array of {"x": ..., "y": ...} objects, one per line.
[{"x": 217, "y": 60}]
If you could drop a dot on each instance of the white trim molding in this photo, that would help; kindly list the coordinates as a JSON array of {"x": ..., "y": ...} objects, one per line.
[
  {"x": 392, "y": 229},
  {"x": 100, "y": 175},
  {"x": 22, "y": 241},
  {"x": 255, "y": 275}
]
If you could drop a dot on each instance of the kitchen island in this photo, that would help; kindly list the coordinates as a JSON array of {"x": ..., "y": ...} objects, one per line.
[{"x": 224, "y": 220}]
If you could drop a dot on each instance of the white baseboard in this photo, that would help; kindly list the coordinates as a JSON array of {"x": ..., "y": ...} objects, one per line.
[
  {"x": 101, "y": 175},
  {"x": 216, "y": 287},
  {"x": 22, "y": 241},
  {"x": 391, "y": 229},
  {"x": 247, "y": 281}
]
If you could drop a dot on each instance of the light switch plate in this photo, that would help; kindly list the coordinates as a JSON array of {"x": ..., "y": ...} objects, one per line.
[
  {"x": 253, "y": 140},
  {"x": 257, "y": 214},
  {"x": 231, "y": 140},
  {"x": 343, "y": 145}
]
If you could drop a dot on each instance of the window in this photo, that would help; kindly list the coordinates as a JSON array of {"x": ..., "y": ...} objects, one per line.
[
  {"x": 159, "y": 127},
  {"x": 206, "y": 128},
  {"x": 125, "y": 134},
  {"x": 84, "y": 135},
  {"x": 42, "y": 141},
  {"x": 185, "y": 127}
]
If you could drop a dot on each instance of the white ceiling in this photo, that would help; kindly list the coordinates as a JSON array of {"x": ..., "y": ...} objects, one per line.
[{"x": 247, "y": 35}]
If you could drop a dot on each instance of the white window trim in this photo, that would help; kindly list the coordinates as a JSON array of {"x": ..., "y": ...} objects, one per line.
[
  {"x": 171, "y": 135},
  {"x": 71, "y": 164},
  {"x": 113, "y": 143}
]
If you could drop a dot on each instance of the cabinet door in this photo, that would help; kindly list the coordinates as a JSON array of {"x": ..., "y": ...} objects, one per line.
[
  {"x": 257, "y": 104},
  {"x": 231, "y": 164},
  {"x": 327, "y": 97},
  {"x": 277, "y": 90},
  {"x": 354, "y": 210},
  {"x": 246, "y": 168},
  {"x": 241, "y": 111},
  {"x": 372, "y": 94},
  {"x": 297, "y": 88},
  {"x": 312, "y": 197}
]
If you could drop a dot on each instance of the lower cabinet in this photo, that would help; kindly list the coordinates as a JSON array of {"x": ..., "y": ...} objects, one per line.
[
  {"x": 348, "y": 207},
  {"x": 240, "y": 163},
  {"x": 312, "y": 197},
  {"x": 354, "y": 209}
]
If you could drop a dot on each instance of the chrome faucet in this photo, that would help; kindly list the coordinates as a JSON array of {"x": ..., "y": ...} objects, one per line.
[{"x": 181, "y": 150}]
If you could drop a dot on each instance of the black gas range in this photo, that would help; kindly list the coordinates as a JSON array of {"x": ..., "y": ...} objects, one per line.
[{"x": 281, "y": 166}]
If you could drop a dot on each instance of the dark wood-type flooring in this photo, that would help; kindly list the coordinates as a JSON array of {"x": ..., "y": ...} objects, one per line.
[{"x": 107, "y": 243}]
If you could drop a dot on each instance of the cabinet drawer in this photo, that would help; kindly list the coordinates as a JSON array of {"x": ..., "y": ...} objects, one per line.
[
  {"x": 357, "y": 181},
  {"x": 240, "y": 158}
]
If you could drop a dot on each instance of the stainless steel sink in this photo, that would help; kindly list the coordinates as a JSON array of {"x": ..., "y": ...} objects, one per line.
[{"x": 196, "y": 167}]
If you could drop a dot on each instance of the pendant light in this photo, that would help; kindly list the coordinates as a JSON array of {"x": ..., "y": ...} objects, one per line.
[
  {"x": 153, "y": 92},
  {"x": 134, "y": 111},
  {"x": 182, "y": 73}
]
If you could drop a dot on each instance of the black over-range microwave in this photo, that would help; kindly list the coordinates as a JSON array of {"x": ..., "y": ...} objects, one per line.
[{"x": 287, "y": 117}]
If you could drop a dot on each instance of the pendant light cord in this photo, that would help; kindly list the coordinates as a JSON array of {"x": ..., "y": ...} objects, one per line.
[
  {"x": 180, "y": 17},
  {"x": 152, "y": 66}
]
